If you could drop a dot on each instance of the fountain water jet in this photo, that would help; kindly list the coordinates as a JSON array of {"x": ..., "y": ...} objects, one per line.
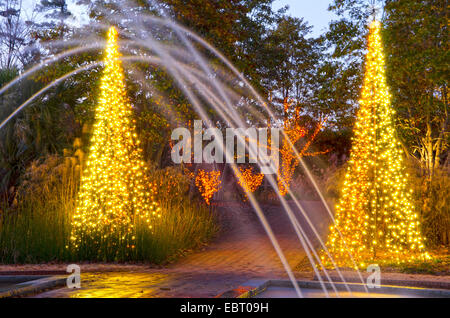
[{"x": 219, "y": 97}]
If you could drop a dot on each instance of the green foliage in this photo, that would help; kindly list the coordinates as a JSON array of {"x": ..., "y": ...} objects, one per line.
[
  {"x": 159, "y": 114},
  {"x": 37, "y": 130},
  {"x": 416, "y": 36},
  {"x": 342, "y": 74},
  {"x": 6, "y": 75},
  {"x": 235, "y": 27},
  {"x": 40, "y": 129},
  {"x": 432, "y": 201},
  {"x": 337, "y": 142},
  {"x": 289, "y": 60}
]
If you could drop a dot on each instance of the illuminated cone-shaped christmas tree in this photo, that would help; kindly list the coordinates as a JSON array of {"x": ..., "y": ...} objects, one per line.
[
  {"x": 113, "y": 195},
  {"x": 375, "y": 218}
]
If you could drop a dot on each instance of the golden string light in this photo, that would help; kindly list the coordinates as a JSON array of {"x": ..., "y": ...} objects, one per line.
[
  {"x": 114, "y": 194},
  {"x": 375, "y": 215}
]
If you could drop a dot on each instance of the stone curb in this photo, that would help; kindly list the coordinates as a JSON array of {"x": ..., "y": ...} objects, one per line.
[
  {"x": 259, "y": 286},
  {"x": 32, "y": 273},
  {"x": 31, "y": 286},
  {"x": 399, "y": 282}
]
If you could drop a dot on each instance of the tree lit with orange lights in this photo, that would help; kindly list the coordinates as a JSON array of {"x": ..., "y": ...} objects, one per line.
[
  {"x": 248, "y": 180},
  {"x": 114, "y": 195},
  {"x": 289, "y": 160},
  {"x": 375, "y": 217},
  {"x": 208, "y": 183}
]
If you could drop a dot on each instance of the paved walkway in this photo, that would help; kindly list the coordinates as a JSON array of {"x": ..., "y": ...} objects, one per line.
[{"x": 241, "y": 251}]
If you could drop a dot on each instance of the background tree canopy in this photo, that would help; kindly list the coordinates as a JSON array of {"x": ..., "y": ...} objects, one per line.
[{"x": 319, "y": 77}]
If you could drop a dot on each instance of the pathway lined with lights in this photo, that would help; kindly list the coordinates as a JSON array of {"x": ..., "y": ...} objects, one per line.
[{"x": 240, "y": 252}]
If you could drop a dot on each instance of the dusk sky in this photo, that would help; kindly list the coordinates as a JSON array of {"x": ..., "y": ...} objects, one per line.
[{"x": 314, "y": 11}]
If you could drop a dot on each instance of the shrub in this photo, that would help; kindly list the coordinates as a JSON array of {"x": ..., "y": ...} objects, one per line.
[
  {"x": 171, "y": 185},
  {"x": 37, "y": 227},
  {"x": 432, "y": 201}
]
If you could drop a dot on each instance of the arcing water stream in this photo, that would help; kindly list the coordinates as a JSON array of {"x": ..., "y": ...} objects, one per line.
[{"x": 181, "y": 53}]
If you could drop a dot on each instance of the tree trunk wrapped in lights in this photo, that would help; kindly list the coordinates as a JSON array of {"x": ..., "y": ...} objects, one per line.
[
  {"x": 114, "y": 196},
  {"x": 375, "y": 218},
  {"x": 289, "y": 159}
]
